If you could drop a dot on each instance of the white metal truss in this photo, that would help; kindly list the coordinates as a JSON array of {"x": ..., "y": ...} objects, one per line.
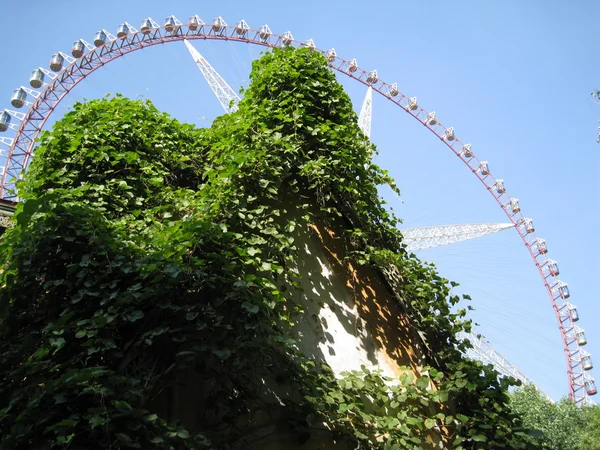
[
  {"x": 226, "y": 96},
  {"x": 364, "y": 119},
  {"x": 483, "y": 351},
  {"x": 428, "y": 237}
]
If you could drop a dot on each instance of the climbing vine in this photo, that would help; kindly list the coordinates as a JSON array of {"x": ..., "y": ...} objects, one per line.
[{"x": 148, "y": 255}]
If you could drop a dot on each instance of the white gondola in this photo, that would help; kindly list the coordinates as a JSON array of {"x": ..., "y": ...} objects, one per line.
[
  {"x": 484, "y": 168},
  {"x": 563, "y": 290},
  {"x": 514, "y": 205},
  {"x": 331, "y": 55},
  {"x": 467, "y": 152},
  {"x": 123, "y": 31},
  {"x": 56, "y": 62},
  {"x": 412, "y": 103},
  {"x": 100, "y": 38},
  {"x": 528, "y": 224},
  {"x": 580, "y": 336},
  {"x": 590, "y": 387},
  {"x": 195, "y": 22},
  {"x": 4, "y": 121},
  {"x": 450, "y": 134},
  {"x": 310, "y": 43},
  {"x": 170, "y": 24},
  {"x": 541, "y": 246},
  {"x": 18, "y": 98},
  {"x": 552, "y": 267},
  {"x": 78, "y": 49},
  {"x": 287, "y": 38},
  {"x": 241, "y": 28},
  {"x": 218, "y": 24},
  {"x": 431, "y": 119},
  {"x": 586, "y": 362},
  {"x": 499, "y": 186},
  {"x": 264, "y": 32},
  {"x": 372, "y": 77},
  {"x": 393, "y": 90},
  {"x": 352, "y": 65},
  {"x": 146, "y": 26},
  {"x": 573, "y": 313},
  {"x": 36, "y": 80}
]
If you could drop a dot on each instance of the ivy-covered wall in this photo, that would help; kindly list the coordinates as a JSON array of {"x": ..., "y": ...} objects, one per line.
[{"x": 151, "y": 283}]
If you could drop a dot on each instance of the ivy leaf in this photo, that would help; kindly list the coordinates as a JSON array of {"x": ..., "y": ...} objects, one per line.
[
  {"x": 191, "y": 315},
  {"x": 270, "y": 231},
  {"x": 460, "y": 383},
  {"x": 183, "y": 434},
  {"x": 135, "y": 316},
  {"x": 97, "y": 421},
  {"x": 67, "y": 423},
  {"x": 222, "y": 354},
  {"x": 251, "y": 308},
  {"x": 60, "y": 398},
  {"x": 57, "y": 342}
]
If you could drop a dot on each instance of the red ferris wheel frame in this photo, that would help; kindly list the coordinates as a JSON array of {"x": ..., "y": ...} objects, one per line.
[{"x": 32, "y": 122}]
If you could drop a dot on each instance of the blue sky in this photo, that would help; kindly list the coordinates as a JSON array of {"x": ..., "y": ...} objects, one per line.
[{"x": 513, "y": 78}]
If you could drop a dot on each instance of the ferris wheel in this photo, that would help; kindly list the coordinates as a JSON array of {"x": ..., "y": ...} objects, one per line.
[{"x": 48, "y": 86}]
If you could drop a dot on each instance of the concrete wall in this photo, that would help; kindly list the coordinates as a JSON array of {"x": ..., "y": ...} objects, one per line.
[{"x": 351, "y": 317}]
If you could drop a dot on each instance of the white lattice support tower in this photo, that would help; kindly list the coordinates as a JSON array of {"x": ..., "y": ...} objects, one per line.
[
  {"x": 483, "y": 351},
  {"x": 428, "y": 237},
  {"x": 366, "y": 112},
  {"x": 226, "y": 96}
]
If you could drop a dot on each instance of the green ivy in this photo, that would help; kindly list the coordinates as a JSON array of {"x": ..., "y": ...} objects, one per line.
[{"x": 144, "y": 249}]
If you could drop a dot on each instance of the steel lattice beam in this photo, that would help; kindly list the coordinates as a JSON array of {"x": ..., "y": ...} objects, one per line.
[
  {"x": 226, "y": 96},
  {"x": 483, "y": 351},
  {"x": 435, "y": 236},
  {"x": 366, "y": 112}
]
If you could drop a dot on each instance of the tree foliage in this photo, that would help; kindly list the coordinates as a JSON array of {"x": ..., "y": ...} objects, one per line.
[
  {"x": 562, "y": 425},
  {"x": 590, "y": 436},
  {"x": 145, "y": 250}
]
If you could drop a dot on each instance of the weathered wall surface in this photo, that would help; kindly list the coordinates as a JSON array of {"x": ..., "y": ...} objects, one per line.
[{"x": 350, "y": 315}]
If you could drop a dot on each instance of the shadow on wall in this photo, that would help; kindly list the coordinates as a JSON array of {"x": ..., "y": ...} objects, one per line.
[{"x": 351, "y": 316}]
